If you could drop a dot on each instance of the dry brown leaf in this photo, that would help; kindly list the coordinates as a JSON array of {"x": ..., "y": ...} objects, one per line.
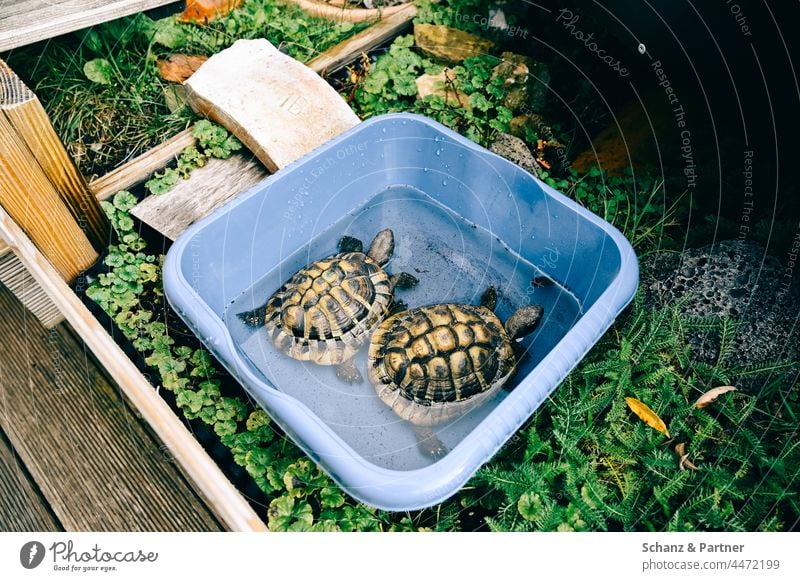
[
  {"x": 647, "y": 415},
  {"x": 711, "y": 395},
  {"x": 179, "y": 67},
  {"x": 685, "y": 463},
  {"x": 204, "y": 11}
]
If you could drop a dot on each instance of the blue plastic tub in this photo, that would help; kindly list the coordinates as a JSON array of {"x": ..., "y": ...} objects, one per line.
[{"x": 463, "y": 219}]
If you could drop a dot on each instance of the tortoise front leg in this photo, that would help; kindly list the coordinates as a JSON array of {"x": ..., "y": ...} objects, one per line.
[
  {"x": 429, "y": 443},
  {"x": 255, "y": 318},
  {"x": 403, "y": 280},
  {"x": 348, "y": 372}
]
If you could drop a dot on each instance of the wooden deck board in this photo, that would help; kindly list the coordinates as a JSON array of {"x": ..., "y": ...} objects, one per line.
[
  {"x": 22, "y": 507},
  {"x": 27, "y": 22},
  {"x": 95, "y": 464}
]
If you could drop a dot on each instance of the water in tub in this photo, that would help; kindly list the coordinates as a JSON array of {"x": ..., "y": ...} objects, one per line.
[{"x": 454, "y": 261}]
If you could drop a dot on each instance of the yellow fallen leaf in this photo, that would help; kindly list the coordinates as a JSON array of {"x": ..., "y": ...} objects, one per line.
[
  {"x": 647, "y": 415},
  {"x": 711, "y": 395}
]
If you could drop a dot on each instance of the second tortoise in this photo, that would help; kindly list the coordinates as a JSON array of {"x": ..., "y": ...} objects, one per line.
[{"x": 435, "y": 363}]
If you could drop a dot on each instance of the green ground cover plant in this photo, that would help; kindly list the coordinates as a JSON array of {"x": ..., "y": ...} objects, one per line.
[{"x": 390, "y": 86}]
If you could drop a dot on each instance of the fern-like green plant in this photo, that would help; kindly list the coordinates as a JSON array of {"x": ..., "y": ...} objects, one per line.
[{"x": 588, "y": 463}]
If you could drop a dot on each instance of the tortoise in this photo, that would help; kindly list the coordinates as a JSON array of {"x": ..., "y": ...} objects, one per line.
[
  {"x": 434, "y": 363},
  {"x": 326, "y": 310}
]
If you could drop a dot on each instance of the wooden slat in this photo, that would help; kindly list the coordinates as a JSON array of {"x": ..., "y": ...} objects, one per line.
[
  {"x": 337, "y": 13},
  {"x": 22, "y": 508},
  {"x": 207, "y": 189},
  {"x": 21, "y": 284},
  {"x": 26, "y": 194},
  {"x": 209, "y": 481},
  {"x": 95, "y": 464},
  {"x": 28, "y": 21},
  {"x": 345, "y": 52},
  {"x": 31, "y": 123}
]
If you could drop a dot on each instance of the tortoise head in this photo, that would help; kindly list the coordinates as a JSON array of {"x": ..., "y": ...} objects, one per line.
[
  {"x": 524, "y": 321},
  {"x": 382, "y": 247}
]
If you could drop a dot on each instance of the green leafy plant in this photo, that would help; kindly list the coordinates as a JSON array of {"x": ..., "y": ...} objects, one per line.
[
  {"x": 469, "y": 15},
  {"x": 640, "y": 208},
  {"x": 486, "y": 114},
  {"x": 390, "y": 85},
  {"x": 284, "y": 25},
  {"x": 212, "y": 140}
]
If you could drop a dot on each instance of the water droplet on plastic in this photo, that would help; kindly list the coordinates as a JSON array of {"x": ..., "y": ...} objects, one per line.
[
  {"x": 438, "y": 152},
  {"x": 533, "y": 236},
  {"x": 425, "y": 169},
  {"x": 444, "y": 182},
  {"x": 383, "y": 130}
]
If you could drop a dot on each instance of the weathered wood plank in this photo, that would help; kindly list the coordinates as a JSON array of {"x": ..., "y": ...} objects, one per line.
[
  {"x": 26, "y": 22},
  {"x": 22, "y": 508},
  {"x": 26, "y": 115},
  {"x": 336, "y": 12},
  {"x": 208, "y": 188},
  {"x": 22, "y": 285},
  {"x": 209, "y": 481},
  {"x": 27, "y": 194},
  {"x": 345, "y": 52},
  {"x": 95, "y": 464}
]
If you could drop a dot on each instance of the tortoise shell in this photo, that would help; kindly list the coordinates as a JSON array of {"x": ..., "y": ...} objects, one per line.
[
  {"x": 433, "y": 363},
  {"x": 324, "y": 312}
]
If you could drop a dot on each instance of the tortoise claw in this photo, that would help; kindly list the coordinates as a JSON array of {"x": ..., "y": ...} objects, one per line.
[{"x": 430, "y": 444}]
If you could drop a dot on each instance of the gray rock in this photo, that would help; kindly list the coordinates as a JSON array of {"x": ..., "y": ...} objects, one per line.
[
  {"x": 734, "y": 279},
  {"x": 515, "y": 150}
]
